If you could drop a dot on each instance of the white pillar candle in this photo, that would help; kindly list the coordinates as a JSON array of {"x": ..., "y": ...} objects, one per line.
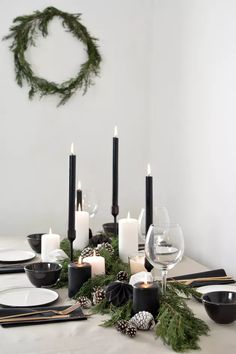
[
  {"x": 136, "y": 263},
  {"x": 82, "y": 229},
  {"x": 49, "y": 242},
  {"x": 128, "y": 238},
  {"x": 97, "y": 264}
]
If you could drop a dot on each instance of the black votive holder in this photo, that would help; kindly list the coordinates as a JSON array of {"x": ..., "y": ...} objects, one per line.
[
  {"x": 78, "y": 274},
  {"x": 110, "y": 228},
  {"x": 146, "y": 297}
]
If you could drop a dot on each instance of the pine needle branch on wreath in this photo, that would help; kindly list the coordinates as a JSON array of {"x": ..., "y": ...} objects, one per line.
[{"x": 23, "y": 35}]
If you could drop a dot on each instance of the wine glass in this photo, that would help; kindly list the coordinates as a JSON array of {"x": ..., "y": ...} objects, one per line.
[
  {"x": 160, "y": 217},
  {"x": 90, "y": 203},
  {"x": 164, "y": 248}
]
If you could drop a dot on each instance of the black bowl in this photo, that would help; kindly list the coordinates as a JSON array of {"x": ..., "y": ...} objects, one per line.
[
  {"x": 35, "y": 242},
  {"x": 220, "y": 306},
  {"x": 43, "y": 273},
  {"x": 109, "y": 228}
]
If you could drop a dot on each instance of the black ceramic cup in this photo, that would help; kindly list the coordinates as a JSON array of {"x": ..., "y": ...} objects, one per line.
[
  {"x": 220, "y": 306},
  {"x": 43, "y": 274},
  {"x": 109, "y": 228},
  {"x": 35, "y": 242}
]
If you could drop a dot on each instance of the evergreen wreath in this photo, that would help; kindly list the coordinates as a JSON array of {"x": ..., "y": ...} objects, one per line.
[{"x": 23, "y": 34}]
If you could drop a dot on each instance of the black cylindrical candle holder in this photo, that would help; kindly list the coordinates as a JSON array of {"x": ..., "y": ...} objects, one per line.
[
  {"x": 146, "y": 297},
  {"x": 78, "y": 274}
]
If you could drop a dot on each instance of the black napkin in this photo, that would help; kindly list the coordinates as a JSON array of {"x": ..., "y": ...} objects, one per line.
[
  {"x": 210, "y": 273},
  {"x": 76, "y": 315},
  {"x": 12, "y": 268}
]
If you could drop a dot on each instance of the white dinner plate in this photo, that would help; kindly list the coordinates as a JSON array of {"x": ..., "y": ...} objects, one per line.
[
  {"x": 11, "y": 256},
  {"x": 210, "y": 288},
  {"x": 27, "y": 297}
]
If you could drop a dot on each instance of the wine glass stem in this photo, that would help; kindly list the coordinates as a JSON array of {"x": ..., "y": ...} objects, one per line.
[{"x": 164, "y": 276}]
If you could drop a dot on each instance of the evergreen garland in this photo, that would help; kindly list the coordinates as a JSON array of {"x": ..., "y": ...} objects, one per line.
[
  {"x": 23, "y": 34},
  {"x": 176, "y": 324}
]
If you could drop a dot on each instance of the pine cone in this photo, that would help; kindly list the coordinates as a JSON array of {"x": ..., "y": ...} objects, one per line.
[
  {"x": 131, "y": 330},
  {"x": 123, "y": 276},
  {"x": 143, "y": 320},
  {"x": 121, "y": 326},
  {"x": 105, "y": 245},
  {"x": 88, "y": 252},
  {"x": 98, "y": 294},
  {"x": 85, "y": 303}
]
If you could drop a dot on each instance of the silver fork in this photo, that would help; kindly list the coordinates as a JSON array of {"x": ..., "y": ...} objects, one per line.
[{"x": 67, "y": 311}]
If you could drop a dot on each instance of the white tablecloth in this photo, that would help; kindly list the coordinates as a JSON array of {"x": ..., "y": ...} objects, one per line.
[{"x": 87, "y": 337}]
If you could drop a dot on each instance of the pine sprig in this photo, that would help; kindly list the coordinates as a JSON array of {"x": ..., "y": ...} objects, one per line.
[
  {"x": 102, "y": 307},
  {"x": 63, "y": 282},
  {"x": 177, "y": 288},
  {"x": 177, "y": 324},
  {"x": 23, "y": 34},
  {"x": 98, "y": 280},
  {"x": 118, "y": 313}
]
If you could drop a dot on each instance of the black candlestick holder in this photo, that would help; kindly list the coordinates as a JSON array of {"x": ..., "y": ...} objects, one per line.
[
  {"x": 115, "y": 213},
  {"x": 71, "y": 237}
]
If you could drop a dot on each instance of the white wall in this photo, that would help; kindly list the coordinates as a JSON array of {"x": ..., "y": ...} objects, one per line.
[
  {"x": 194, "y": 122},
  {"x": 35, "y": 136}
]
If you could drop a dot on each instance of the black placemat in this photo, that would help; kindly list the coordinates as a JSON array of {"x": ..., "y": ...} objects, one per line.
[{"x": 74, "y": 316}]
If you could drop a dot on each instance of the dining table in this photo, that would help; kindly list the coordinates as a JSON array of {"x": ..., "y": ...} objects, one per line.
[{"x": 87, "y": 336}]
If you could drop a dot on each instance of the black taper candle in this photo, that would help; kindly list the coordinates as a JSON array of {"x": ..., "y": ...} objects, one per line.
[
  {"x": 71, "y": 212},
  {"x": 149, "y": 209},
  {"x": 146, "y": 297},
  {"x": 79, "y": 197},
  {"x": 115, "y": 179}
]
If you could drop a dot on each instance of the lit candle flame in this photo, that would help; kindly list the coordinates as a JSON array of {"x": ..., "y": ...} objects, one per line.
[
  {"x": 145, "y": 279},
  {"x": 115, "y": 132},
  {"x": 94, "y": 253},
  {"x": 79, "y": 185},
  {"x": 128, "y": 215},
  {"x": 148, "y": 170},
  {"x": 80, "y": 260},
  {"x": 79, "y": 209},
  {"x": 72, "y": 148},
  {"x": 50, "y": 230}
]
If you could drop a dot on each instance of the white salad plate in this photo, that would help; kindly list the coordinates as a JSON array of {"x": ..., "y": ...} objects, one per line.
[
  {"x": 27, "y": 297},
  {"x": 210, "y": 288},
  {"x": 11, "y": 255}
]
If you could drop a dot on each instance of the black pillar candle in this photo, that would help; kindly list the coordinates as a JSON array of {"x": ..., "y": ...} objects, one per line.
[
  {"x": 71, "y": 213},
  {"x": 115, "y": 178},
  {"x": 78, "y": 274},
  {"x": 79, "y": 197},
  {"x": 149, "y": 208},
  {"x": 146, "y": 297}
]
